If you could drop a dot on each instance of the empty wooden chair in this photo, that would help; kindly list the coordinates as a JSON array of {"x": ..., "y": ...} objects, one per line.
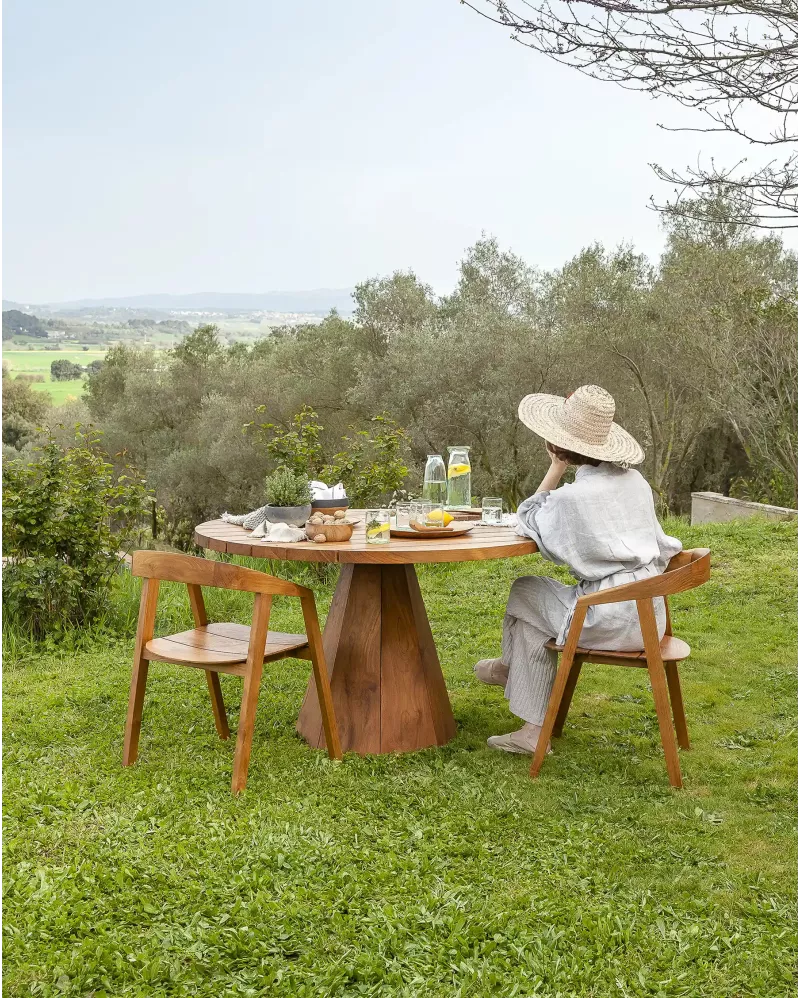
[
  {"x": 235, "y": 649},
  {"x": 685, "y": 571}
]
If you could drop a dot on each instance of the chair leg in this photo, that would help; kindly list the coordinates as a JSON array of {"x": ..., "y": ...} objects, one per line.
[
  {"x": 252, "y": 682},
  {"x": 247, "y": 721},
  {"x": 144, "y": 632},
  {"x": 559, "y": 686},
  {"x": 133, "y": 724},
  {"x": 218, "y": 705},
  {"x": 566, "y": 699},
  {"x": 658, "y": 682},
  {"x": 675, "y": 695},
  {"x": 321, "y": 678}
]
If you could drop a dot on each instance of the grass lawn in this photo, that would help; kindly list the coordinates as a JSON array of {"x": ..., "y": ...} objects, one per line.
[
  {"x": 20, "y": 360},
  {"x": 442, "y": 873}
]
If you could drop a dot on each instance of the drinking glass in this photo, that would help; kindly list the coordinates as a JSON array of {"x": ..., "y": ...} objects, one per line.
[
  {"x": 377, "y": 526},
  {"x": 403, "y": 514},
  {"x": 492, "y": 511},
  {"x": 415, "y": 512},
  {"x": 434, "y": 514}
]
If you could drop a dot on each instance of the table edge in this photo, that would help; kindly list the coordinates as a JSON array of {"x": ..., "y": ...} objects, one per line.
[{"x": 383, "y": 555}]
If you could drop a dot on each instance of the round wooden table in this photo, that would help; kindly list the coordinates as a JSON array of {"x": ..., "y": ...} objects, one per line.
[{"x": 388, "y": 689}]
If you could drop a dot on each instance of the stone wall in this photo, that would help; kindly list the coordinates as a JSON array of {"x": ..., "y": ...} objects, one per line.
[{"x": 712, "y": 507}]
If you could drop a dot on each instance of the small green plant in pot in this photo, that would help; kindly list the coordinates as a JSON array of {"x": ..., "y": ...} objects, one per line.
[{"x": 288, "y": 495}]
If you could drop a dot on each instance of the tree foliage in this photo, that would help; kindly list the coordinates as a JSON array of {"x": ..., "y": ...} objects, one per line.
[
  {"x": 16, "y": 323},
  {"x": 697, "y": 350},
  {"x": 65, "y": 370}
]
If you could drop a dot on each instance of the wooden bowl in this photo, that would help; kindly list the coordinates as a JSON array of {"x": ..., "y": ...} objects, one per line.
[{"x": 332, "y": 531}]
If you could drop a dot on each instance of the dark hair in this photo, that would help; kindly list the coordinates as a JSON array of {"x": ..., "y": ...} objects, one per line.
[{"x": 571, "y": 457}]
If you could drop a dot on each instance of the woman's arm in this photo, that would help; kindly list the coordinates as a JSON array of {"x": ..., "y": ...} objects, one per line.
[{"x": 554, "y": 473}]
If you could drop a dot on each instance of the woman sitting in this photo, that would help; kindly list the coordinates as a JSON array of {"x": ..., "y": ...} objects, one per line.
[{"x": 603, "y": 527}]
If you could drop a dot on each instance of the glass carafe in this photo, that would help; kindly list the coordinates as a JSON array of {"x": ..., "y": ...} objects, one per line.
[
  {"x": 434, "y": 483},
  {"x": 459, "y": 479}
]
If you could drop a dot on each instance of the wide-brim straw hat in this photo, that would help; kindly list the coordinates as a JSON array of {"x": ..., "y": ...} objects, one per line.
[{"x": 583, "y": 422}]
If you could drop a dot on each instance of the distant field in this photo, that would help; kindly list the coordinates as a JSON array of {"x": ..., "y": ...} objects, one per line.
[{"x": 38, "y": 361}]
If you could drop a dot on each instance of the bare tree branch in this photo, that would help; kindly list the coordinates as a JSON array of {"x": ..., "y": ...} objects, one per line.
[{"x": 723, "y": 58}]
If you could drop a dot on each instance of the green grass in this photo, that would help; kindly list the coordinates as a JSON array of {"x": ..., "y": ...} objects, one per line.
[
  {"x": 38, "y": 361},
  {"x": 441, "y": 873}
]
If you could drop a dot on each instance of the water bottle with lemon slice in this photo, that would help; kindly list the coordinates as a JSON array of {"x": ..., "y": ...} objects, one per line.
[{"x": 459, "y": 479}]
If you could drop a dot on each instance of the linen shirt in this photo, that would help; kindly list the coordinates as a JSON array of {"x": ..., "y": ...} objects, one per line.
[{"x": 601, "y": 525}]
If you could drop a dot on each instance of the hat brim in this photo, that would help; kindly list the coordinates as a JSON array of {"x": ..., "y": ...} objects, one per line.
[{"x": 544, "y": 415}]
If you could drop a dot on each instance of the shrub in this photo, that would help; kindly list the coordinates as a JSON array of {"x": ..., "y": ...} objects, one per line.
[
  {"x": 67, "y": 515},
  {"x": 65, "y": 370},
  {"x": 285, "y": 487},
  {"x": 370, "y": 464}
]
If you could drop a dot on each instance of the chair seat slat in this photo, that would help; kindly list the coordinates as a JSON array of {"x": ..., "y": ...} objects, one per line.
[{"x": 672, "y": 650}]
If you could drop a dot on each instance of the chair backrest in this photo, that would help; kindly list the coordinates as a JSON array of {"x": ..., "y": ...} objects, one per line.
[
  {"x": 169, "y": 567},
  {"x": 686, "y": 570}
]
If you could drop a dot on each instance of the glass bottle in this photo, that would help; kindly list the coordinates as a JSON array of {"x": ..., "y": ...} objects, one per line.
[
  {"x": 434, "y": 483},
  {"x": 459, "y": 479}
]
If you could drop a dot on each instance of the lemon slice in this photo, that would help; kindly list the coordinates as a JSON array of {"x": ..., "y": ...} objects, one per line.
[
  {"x": 455, "y": 470},
  {"x": 383, "y": 528}
]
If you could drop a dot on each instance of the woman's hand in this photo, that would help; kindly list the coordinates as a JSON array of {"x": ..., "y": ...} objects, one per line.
[
  {"x": 555, "y": 472},
  {"x": 555, "y": 459},
  {"x": 556, "y": 463}
]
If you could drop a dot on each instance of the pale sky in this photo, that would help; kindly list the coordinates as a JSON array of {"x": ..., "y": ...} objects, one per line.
[{"x": 175, "y": 146}]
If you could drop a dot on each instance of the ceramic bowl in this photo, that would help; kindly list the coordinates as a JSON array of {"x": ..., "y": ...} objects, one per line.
[{"x": 294, "y": 515}]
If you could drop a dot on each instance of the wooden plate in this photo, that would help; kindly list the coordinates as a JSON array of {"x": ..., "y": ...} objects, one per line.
[{"x": 452, "y": 531}]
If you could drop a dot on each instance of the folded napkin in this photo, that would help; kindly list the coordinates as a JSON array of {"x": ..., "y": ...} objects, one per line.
[{"x": 321, "y": 491}]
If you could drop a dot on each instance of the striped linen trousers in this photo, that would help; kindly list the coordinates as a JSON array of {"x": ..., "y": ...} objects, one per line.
[{"x": 540, "y": 609}]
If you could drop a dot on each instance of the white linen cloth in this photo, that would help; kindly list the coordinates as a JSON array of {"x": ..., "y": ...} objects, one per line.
[
  {"x": 283, "y": 533},
  {"x": 261, "y": 527},
  {"x": 605, "y": 530},
  {"x": 321, "y": 491}
]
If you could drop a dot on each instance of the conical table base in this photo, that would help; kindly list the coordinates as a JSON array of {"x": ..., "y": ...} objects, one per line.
[{"x": 388, "y": 689}]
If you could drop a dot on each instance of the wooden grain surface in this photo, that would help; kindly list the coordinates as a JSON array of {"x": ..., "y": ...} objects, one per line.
[
  {"x": 480, "y": 544},
  {"x": 388, "y": 691}
]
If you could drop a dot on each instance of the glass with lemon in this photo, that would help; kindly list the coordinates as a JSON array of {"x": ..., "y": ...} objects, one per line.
[
  {"x": 459, "y": 479},
  {"x": 377, "y": 526},
  {"x": 437, "y": 516}
]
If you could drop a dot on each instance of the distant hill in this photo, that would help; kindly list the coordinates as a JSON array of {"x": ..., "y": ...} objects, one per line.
[
  {"x": 16, "y": 323},
  {"x": 320, "y": 300}
]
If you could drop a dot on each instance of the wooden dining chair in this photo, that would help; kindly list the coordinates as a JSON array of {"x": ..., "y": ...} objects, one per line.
[
  {"x": 686, "y": 570},
  {"x": 235, "y": 649}
]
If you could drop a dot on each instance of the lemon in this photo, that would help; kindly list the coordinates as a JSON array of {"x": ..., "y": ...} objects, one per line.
[
  {"x": 438, "y": 515},
  {"x": 457, "y": 469},
  {"x": 383, "y": 528}
]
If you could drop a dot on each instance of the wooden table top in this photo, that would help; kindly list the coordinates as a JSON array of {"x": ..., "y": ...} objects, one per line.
[{"x": 479, "y": 544}]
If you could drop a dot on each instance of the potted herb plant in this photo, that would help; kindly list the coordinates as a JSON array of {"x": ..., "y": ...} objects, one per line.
[{"x": 288, "y": 495}]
